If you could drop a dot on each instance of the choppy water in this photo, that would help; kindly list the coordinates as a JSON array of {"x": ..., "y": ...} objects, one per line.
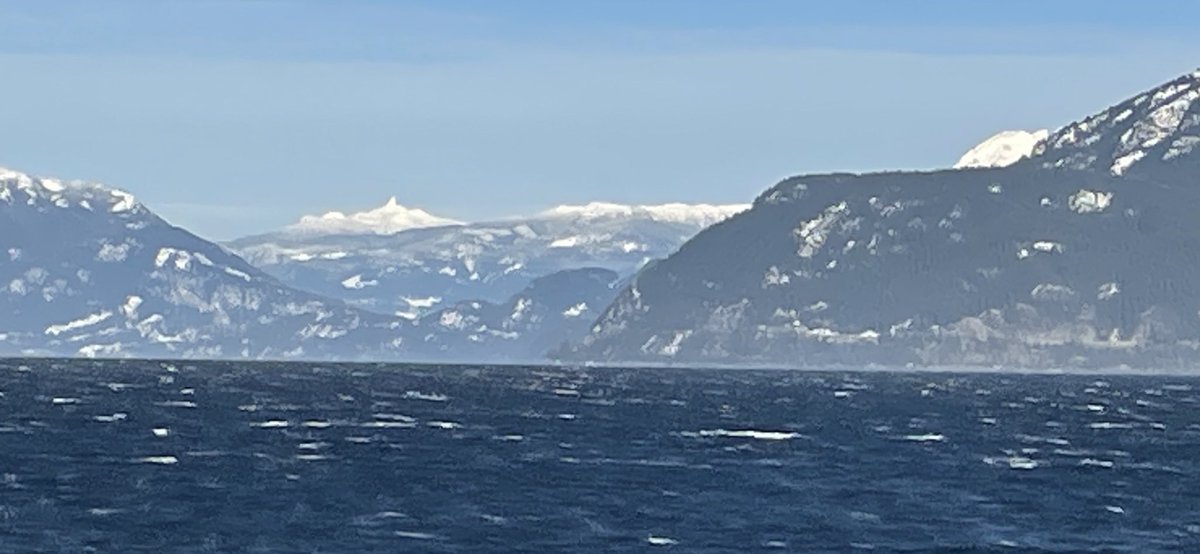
[{"x": 220, "y": 457}]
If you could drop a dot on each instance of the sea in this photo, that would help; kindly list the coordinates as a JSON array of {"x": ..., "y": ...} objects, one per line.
[{"x": 152, "y": 456}]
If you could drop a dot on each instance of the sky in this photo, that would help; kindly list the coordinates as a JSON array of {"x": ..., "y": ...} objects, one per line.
[{"x": 234, "y": 117}]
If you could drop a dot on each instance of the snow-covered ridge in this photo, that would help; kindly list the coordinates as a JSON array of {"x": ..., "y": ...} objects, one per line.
[
  {"x": 17, "y": 188},
  {"x": 692, "y": 214},
  {"x": 1002, "y": 149},
  {"x": 388, "y": 219},
  {"x": 1162, "y": 123},
  {"x": 393, "y": 217}
]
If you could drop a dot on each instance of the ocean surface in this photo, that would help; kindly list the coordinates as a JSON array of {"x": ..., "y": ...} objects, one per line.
[{"x": 231, "y": 457}]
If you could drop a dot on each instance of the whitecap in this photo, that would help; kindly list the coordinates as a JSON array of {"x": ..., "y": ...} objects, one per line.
[
  {"x": 566, "y": 392},
  {"x": 842, "y": 394},
  {"x": 119, "y": 416},
  {"x": 160, "y": 432},
  {"x": 426, "y": 396},
  {"x": 104, "y": 511},
  {"x": 444, "y": 424},
  {"x": 927, "y": 437},
  {"x": 415, "y": 535},
  {"x": 187, "y": 392},
  {"x": 747, "y": 434},
  {"x": 1110, "y": 425},
  {"x": 248, "y": 408},
  {"x": 661, "y": 541},
  {"x": 1115, "y": 509},
  {"x": 510, "y": 438},
  {"x": 1096, "y": 463},
  {"x": 176, "y": 404},
  {"x": 388, "y": 425},
  {"x": 62, "y": 400},
  {"x": 311, "y": 445},
  {"x": 161, "y": 460},
  {"x": 271, "y": 424},
  {"x": 394, "y": 417},
  {"x": 311, "y": 457},
  {"x": 567, "y": 417},
  {"x": 316, "y": 424},
  {"x": 1019, "y": 462}
]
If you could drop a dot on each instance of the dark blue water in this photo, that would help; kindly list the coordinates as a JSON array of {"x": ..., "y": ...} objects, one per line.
[{"x": 306, "y": 458}]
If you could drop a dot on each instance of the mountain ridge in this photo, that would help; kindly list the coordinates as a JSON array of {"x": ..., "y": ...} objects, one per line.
[{"x": 1038, "y": 264}]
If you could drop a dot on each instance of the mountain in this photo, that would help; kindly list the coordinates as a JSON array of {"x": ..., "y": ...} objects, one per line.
[
  {"x": 1083, "y": 254},
  {"x": 384, "y": 220},
  {"x": 1002, "y": 149},
  {"x": 417, "y": 271},
  {"x": 88, "y": 270},
  {"x": 553, "y": 310}
]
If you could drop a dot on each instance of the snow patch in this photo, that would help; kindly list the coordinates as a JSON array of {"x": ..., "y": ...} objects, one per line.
[
  {"x": 356, "y": 282},
  {"x": 86, "y": 321},
  {"x": 1089, "y": 201},
  {"x": 1107, "y": 290},
  {"x": 813, "y": 233},
  {"x": 129, "y": 308},
  {"x": 701, "y": 215}
]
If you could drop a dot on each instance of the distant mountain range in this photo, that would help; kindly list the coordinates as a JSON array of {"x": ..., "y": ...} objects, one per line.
[
  {"x": 90, "y": 271},
  {"x": 406, "y": 262},
  {"x": 1076, "y": 247}
]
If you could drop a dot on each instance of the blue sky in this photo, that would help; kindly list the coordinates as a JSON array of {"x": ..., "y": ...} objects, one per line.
[{"x": 234, "y": 117}]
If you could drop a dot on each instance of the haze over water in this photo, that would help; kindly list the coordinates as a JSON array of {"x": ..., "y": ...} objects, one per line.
[{"x": 219, "y": 457}]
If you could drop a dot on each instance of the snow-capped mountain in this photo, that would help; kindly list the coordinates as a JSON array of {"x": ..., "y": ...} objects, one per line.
[
  {"x": 88, "y": 270},
  {"x": 384, "y": 220},
  {"x": 1002, "y": 149},
  {"x": 697, "y": 215},
  {"x": 1157, "y": 130},
  {"x": 416, "y": 271},
  {"x": 1084, "y": 254}
]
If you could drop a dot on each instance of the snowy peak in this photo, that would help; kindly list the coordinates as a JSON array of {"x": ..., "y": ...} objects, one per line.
[
  {"x": 17, "y": 188},
  {"x": 1002, "y": 149},
  {"x": 1161, "y": 125},
  {"x": 388, "y": 219},
  {"x": 700, "y": 215}
]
